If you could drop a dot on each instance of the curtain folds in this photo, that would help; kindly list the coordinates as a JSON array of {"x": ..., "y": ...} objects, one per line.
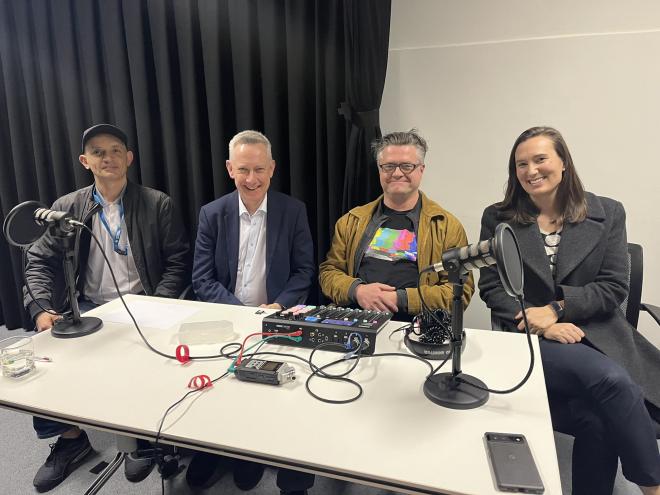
[
  {"x": 181, "y": 78},
  {"x": 367, "y": 34}
]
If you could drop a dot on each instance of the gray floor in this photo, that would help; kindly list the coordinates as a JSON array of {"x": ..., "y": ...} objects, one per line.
[{"x": 22, "y": 454}]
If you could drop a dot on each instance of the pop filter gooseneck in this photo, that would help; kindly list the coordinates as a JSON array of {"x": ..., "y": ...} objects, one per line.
[
  {"x": 455, "y": 389},
  {"x": 23, "y": 226}
]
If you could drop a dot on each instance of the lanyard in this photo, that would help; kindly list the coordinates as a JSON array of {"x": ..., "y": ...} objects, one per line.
[{"x": 117, "y": 235}]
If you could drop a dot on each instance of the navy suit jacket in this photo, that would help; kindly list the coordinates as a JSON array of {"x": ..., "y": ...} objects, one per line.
[{"x": 289, "y": 251}]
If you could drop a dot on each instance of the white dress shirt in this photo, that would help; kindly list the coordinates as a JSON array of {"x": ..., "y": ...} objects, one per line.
[
  {"x": 99, "y": 287},
  {"x": 251, "y": 274}
]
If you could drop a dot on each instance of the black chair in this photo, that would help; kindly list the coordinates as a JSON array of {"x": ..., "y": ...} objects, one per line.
[{"x": 633, "y": 303}]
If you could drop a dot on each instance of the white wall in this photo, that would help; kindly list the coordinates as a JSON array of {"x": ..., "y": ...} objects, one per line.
[{"x": 471, "y": 75}]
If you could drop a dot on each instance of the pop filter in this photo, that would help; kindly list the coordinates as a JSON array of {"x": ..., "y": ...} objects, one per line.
[
  {"x": 19, "y": 227},
  {"x": 509, "y": 261}
]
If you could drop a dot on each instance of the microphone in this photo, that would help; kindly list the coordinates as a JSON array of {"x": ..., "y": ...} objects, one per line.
[
  {"x": 456, "y": 389},
  {"x": 60, "y": 219},
  {"x": 501, "y": 250},
  {"x": 28, "y": 221},
  {"x": 472, "y": 257}
]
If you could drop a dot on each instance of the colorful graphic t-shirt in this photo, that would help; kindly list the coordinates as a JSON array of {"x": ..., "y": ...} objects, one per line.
[
  {"x": 392, "y": 245},
  {"x": 391, "y": 256}
]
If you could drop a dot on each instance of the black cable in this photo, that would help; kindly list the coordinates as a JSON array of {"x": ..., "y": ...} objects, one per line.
[
  {"x": 444, "y": 361},
  {"x": 400, "y": 329},
  {"x": 458, "y": 377},
  {"x": 24, "y": 251},
  {"x": 316, "y": 370},
  {"x": 184, "y": 397},
  {"x": 329, "y": 376},
  {"x": 169, "y": 409},
  {"x": 531, "y": 360},
  {"x": 334, "y": 401},
  {"x": 121, "y": 297},
  {"x": 421, "y": 298},
  {"x": 413, "y": 356}
]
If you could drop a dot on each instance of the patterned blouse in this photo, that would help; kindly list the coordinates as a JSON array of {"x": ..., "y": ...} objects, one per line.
[{"x": 551, "y": 242}]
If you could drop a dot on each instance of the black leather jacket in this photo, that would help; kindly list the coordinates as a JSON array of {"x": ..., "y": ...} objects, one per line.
[{"x": 158, "y": 240}]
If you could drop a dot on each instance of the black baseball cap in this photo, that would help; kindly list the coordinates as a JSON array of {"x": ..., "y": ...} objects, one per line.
[{"x": 95, "y": 130}]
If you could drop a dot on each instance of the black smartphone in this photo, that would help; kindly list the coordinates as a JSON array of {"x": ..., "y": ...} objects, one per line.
[{"x": 512, "y": 463}]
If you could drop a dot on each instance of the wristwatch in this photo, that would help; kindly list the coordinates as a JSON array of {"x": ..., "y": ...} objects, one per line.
[{"x": 558, "y": 309}]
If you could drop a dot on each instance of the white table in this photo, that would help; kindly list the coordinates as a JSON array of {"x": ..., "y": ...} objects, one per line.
[{"x": 392, "y": 437}]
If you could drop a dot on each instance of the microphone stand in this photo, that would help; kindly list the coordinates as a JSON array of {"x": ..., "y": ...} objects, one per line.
[
  {"x": 453, "y": 390},
  {"x": 74, "y": 325}
]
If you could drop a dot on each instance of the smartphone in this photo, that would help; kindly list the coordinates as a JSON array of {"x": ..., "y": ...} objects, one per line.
[{"x": 512, "y": 463}]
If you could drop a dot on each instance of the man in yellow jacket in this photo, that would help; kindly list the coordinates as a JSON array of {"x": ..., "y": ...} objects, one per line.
[{"x": 378, "y": 249}]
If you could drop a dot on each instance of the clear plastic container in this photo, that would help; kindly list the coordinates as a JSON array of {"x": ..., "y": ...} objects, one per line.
[{"x": 205, "y": 332}]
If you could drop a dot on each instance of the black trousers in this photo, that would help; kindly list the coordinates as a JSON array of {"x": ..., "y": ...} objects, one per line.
[{"x": 595, "y": 400}]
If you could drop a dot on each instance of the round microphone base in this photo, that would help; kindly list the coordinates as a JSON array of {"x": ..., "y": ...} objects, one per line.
[
  {"x": 66, "y": 328},
  {"x": 445, "y": 390}
]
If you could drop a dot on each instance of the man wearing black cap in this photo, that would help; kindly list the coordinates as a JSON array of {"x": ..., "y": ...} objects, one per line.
[{"x": 146, "y": 244}]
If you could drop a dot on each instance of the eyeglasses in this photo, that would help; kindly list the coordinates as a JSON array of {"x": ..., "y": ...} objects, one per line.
[{"x": 406, "y": 168}]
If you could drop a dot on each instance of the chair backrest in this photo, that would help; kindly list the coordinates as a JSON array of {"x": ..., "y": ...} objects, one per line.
[{"x": 630, "y": 305}]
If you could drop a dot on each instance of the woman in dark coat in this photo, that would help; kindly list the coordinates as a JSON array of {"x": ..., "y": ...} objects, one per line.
[{"x": 602, "y": 376}]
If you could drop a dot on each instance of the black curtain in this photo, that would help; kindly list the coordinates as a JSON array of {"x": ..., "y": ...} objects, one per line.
[
  {"x": 366, "y": 67},
  {"x": 181, "y": 77}
]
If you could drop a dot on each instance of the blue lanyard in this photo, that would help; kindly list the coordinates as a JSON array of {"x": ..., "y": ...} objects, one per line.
[{"x": 117, "y": 235}]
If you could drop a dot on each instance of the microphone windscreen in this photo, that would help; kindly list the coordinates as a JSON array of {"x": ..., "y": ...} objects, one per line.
[
  {"x": 20, "y": 228},
  {"x": 509, "y": 260}
]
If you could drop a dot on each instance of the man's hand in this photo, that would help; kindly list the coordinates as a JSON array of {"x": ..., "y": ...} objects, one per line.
[
  {"x": 277, "y": 306},
  {"x": 566, "y": 333},
  {"x": 538, "y": 318},
  {"x": 45, "y": 320},
  {"x": 376, "y": 296}
]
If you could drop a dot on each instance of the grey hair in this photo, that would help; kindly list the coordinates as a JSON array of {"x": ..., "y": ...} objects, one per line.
[
  {"x": 400, "y": 138},
  {"x": 249, "y": 137}
]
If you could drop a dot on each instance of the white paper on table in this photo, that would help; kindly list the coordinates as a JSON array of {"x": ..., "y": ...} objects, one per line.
[{"x": 150, "y": 314}]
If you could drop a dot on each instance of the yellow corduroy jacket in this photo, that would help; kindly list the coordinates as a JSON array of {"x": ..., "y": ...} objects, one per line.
[{"x": 438, "y": 231}]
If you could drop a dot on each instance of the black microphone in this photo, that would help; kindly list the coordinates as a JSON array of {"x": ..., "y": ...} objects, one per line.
[
  {"x": 470, "y": 257},
  {"x": 501, "y": 250},
  {"x": 62, "y": 220}
]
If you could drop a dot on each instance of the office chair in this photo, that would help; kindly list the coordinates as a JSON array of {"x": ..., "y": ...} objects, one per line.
[{"x": 632, "y": 305}]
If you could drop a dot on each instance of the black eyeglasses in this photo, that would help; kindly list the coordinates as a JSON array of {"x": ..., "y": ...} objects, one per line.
[{"x": 406, "y": 168}]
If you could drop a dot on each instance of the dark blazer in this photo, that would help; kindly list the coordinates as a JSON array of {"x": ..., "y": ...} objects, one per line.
[
  {"x": 592, "y": 279},
  {"x": 289, "y": 251}
]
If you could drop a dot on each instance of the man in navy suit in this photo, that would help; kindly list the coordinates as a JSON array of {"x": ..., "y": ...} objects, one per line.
[{"x": 253, "y": 248}]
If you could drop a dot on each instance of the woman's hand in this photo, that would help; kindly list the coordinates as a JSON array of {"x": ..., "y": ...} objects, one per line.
[
  {"x": 566, "y": 333},
  {"x": 538, "y": 318}
]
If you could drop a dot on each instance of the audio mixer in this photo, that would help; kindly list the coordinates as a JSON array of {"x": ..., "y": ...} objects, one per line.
[{"x": 320, "y": 324}]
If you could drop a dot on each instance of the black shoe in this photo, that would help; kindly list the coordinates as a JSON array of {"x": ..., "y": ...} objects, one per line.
[
  {"x": 247, "y": 474},
  {"x": 65, "y": 455},
  {"x": 137, "y": 467},
  {"x": 294, "y": 492},
  {"x": 206, "y": 469}
]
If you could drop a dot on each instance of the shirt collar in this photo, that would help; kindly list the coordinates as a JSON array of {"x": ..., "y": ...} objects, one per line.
[
  {"x": 243, "y": 210},
  {"x": 104, "y": 202}
]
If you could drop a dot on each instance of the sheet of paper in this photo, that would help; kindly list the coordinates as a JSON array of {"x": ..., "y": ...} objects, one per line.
[{"x": 150, "y": 314}]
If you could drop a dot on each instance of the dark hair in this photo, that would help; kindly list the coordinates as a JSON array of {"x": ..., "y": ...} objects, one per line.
[
  {"x": 572, "y": 204},
  {"x": 400, "y": 138}
]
